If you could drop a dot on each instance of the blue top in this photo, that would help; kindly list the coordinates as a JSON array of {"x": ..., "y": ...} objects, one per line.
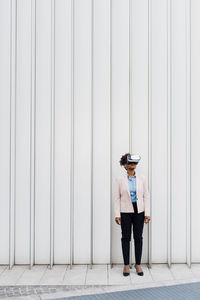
[{"x": 132, "y": 187}]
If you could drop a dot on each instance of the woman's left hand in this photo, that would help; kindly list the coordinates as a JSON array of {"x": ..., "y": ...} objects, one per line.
[{"x": 147, "y": 219}]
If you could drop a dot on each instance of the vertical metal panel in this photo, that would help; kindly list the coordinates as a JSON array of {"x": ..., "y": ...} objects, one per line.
[
  {"x": 52, "y": 142},
  {"x": 32, "y": 134},
  {"x": 195, "y": 134},
  {"x": 169, "y": 135},
  {"x": 43, "y": 131},
  {"x": 62, "y": 131},
  {"x": 72, "y": 142},
  {"x": 111, "y": 190},
  {"x": 130, "y": 77},
  {"x": 130, "y": 68},
  {"x": 4, "y": 129},
  {"x": 130, "y": 101},
  {"x": 188, "y": 128},
  {"x": 82, "y": 134},
  {"x": 150, "y": 127},
  {"x": 12, "y": 161},
  {"x": 92, "y": 132},
  {"x": 101, "y": 135}
]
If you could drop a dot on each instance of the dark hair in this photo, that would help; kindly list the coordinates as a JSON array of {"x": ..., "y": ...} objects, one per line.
[{"x": 123, "y": 159}]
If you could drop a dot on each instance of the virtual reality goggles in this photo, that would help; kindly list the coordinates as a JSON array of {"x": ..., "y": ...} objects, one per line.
[{"x": 133, "y": 158}]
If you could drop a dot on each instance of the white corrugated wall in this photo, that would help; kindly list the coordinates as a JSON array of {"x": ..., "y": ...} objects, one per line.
[{"x": 82, "y": 82}]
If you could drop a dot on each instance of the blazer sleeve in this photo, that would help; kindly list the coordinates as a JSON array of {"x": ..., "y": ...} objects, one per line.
[
  {"x": 117, "y": 199},
  {"x": 146, "y": 197}
]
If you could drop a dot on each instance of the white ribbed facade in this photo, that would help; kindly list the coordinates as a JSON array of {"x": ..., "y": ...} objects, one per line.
[{"x": 81, "y": 83}]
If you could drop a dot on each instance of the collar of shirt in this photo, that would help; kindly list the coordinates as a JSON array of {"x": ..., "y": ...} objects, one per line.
[{"x": 132, "y": 177}]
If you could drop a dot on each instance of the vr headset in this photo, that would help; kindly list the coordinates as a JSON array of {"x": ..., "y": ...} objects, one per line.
[{"x": 133, "y": 158}]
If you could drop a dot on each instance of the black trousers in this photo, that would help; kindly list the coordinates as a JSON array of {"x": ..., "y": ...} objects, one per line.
[{"x": 127, "y": 219}]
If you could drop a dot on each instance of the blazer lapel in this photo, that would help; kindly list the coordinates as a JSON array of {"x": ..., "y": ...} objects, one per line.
[{"x": 126, "y": 183}]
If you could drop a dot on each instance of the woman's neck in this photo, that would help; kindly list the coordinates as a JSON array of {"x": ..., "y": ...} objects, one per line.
[{"x": 131, "y": 173}]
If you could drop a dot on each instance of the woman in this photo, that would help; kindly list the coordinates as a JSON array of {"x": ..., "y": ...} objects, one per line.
[{"x": 131, "y": 206}]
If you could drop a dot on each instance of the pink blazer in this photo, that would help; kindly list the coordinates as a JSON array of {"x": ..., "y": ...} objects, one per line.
[{"x": 122, "y": 201}]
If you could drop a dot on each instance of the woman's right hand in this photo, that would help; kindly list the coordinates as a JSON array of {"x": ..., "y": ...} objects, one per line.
[{"x": 118, "y": 220}]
